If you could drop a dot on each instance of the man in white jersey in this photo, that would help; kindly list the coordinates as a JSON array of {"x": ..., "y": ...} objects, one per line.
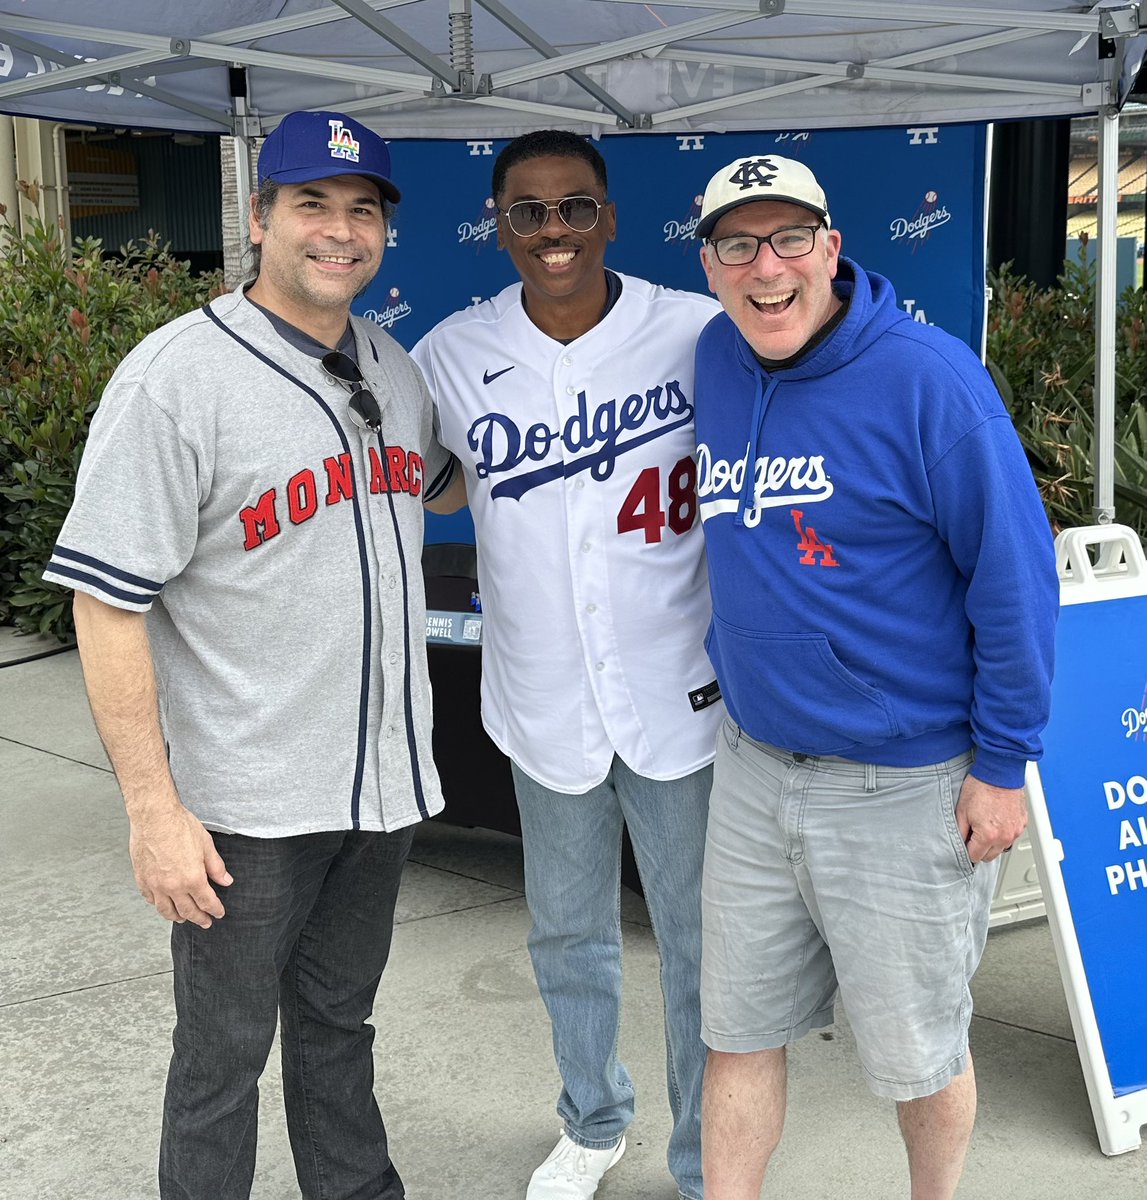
[
  {"x": 568, "y": 400},
  {"x": 244, "y": 546}
]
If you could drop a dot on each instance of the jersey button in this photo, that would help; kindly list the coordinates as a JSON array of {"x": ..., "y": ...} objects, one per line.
[
  {"x": 579, "y": 484},
  {"x": 393, "y": 656},
  {"x": 591, "y": 608},
  {"x": 585, "y": 547},
  {"x": 567, "y": 361},
  {"x": 599, "y": 666},
  {"x": 569, "y": 391}
]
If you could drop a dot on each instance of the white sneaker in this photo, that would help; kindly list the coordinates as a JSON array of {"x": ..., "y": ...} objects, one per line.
[{"x": 572, "y": 1172}]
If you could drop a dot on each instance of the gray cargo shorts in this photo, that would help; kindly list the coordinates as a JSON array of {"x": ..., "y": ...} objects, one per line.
[{"x": 824, "y": 874}]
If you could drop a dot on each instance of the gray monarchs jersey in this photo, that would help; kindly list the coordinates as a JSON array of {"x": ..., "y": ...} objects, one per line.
[
  {"x": 276, "y": 550},
  {"x": 581, "y": 478}
]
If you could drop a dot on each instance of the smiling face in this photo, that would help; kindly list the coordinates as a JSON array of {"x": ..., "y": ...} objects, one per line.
[
  {"x": 776, "y": 303},
  {"x": 320, "y": 245},
  {"x": 562, "y": 271}
]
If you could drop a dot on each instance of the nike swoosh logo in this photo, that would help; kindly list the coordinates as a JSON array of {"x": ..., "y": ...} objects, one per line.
[{"x": 488, "y": 378}]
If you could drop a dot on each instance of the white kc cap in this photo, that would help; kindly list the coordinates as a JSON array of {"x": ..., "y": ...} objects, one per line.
[{"x": 760, "y": 177}]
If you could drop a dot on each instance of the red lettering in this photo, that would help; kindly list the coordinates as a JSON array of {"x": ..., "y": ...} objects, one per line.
[
  {"x": 395, "y": 469},
  {"x": 683, "y": 495},
  {"x": 260, "y": 523},
  {"x": 340, "y": 478},
  {"x": 397, "y": 459},
  {"x": 378, "y": 482},
  {"x": 641, "y": 509},
  {"x": 415, "y": 472},
  {"x": 302, "y": 496}
]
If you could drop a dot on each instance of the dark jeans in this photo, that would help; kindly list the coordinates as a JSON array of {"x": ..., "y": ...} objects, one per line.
[{"x": 305, "y": 939}]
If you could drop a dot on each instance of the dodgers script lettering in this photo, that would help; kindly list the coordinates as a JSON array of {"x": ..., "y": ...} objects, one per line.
[
  {"x": 594, "y": 439},
  {"x": 777, "y": 481}
]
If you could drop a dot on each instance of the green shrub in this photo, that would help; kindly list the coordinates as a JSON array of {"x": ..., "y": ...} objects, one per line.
[
  {"x": 1041, "y": 349},
  {"x": 67, "y": 317}
]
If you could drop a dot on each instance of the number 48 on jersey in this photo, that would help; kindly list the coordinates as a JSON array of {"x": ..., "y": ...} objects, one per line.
[{"x": 642, "y": 508}]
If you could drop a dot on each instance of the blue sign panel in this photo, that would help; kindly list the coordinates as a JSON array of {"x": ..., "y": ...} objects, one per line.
[{"x": 1094, "y": 777}]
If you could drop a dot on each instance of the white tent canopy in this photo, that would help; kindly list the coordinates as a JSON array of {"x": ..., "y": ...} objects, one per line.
[
  {"x": 458, "y": 68},
  {"x": 497, "y": 68}
]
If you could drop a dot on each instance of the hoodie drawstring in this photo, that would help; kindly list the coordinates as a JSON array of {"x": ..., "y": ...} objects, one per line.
[{"x": 760, "y": 407}]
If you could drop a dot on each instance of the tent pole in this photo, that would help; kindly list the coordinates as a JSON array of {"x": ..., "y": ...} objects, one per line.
[
  {"x": 1107, "y": 231},
  {"x": 242, "y": 160},
  {"x": 986, "y": 215}
]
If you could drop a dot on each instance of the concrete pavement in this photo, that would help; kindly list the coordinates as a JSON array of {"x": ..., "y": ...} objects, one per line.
[{"x": 465, "y": 1075}]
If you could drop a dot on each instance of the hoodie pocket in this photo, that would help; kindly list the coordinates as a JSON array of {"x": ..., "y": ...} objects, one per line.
[{"x": 790, "y": 689}]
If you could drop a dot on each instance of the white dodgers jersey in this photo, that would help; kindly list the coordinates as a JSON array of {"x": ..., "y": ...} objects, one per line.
[{"x": 581, "y": 477}]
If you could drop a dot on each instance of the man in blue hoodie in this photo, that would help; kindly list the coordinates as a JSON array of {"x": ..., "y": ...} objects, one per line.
[{"x": 884, "y": 602}]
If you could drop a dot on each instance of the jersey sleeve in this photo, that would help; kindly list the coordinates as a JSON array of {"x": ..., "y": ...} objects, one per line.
[
  {"x": 134, "y": 519},
  {"x": 437, "y": 455},
  {"x": 440, "y": 463}
]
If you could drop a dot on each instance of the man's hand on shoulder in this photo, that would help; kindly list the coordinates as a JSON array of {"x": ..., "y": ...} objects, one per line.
[
  {"x": 990, "y": 818},
  {"x": 175, "y": 862}
]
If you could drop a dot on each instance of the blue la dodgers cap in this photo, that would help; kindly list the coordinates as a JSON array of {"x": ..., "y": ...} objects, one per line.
[{"x": 317, "y": 145}]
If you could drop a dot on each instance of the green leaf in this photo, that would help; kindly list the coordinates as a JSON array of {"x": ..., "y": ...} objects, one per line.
[{"x": 50, "y": 385}]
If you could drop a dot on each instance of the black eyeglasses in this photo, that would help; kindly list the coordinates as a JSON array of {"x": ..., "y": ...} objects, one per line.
[
  {"x": 526, "y": 217},
  {"x": 364, "y": 409},
  {"x": 740, "y": 249}
]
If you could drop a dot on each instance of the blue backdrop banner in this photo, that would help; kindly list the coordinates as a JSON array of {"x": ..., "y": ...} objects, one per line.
[{"x": 909, "y": 203}]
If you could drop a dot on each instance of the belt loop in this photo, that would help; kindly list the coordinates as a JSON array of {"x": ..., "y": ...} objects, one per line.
[
  {"x": 869, "y": 778},
  {"x": 736, "y": 735}
]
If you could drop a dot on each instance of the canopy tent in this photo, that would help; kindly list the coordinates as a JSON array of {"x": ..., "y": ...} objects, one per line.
[
  {"x": 497, "y": 68},
  {"x": 451, "y": 68}
]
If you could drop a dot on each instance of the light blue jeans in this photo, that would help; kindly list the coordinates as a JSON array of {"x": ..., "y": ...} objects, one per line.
[{"x": 572, "y": 848}]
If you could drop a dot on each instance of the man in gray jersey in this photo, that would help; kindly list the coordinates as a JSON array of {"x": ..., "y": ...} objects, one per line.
[{"x": 245, "y": 545}]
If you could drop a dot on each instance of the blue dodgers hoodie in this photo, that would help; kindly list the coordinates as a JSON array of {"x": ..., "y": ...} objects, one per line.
[{"x": 883, "y": 577}]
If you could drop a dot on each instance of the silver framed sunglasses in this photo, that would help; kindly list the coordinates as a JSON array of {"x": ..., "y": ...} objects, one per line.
[
  {"x": 526, "y": 217},
  {"x": 362, "y": 405}
]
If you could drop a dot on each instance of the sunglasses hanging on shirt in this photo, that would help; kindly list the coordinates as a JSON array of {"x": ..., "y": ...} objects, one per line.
[{"x": 362, "y": 405}]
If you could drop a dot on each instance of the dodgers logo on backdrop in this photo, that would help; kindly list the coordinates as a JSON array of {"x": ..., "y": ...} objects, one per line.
[
  {"x": 342, "y": 142},
  {"x": 483, "y": 228},
  {"x": 930, "y": 214},
  {"x": 394, "y": 310},
  {"x": 593, "y": 440},
  {"x": 682, "y": 231},
  {"x": 753, "y": 174}
]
